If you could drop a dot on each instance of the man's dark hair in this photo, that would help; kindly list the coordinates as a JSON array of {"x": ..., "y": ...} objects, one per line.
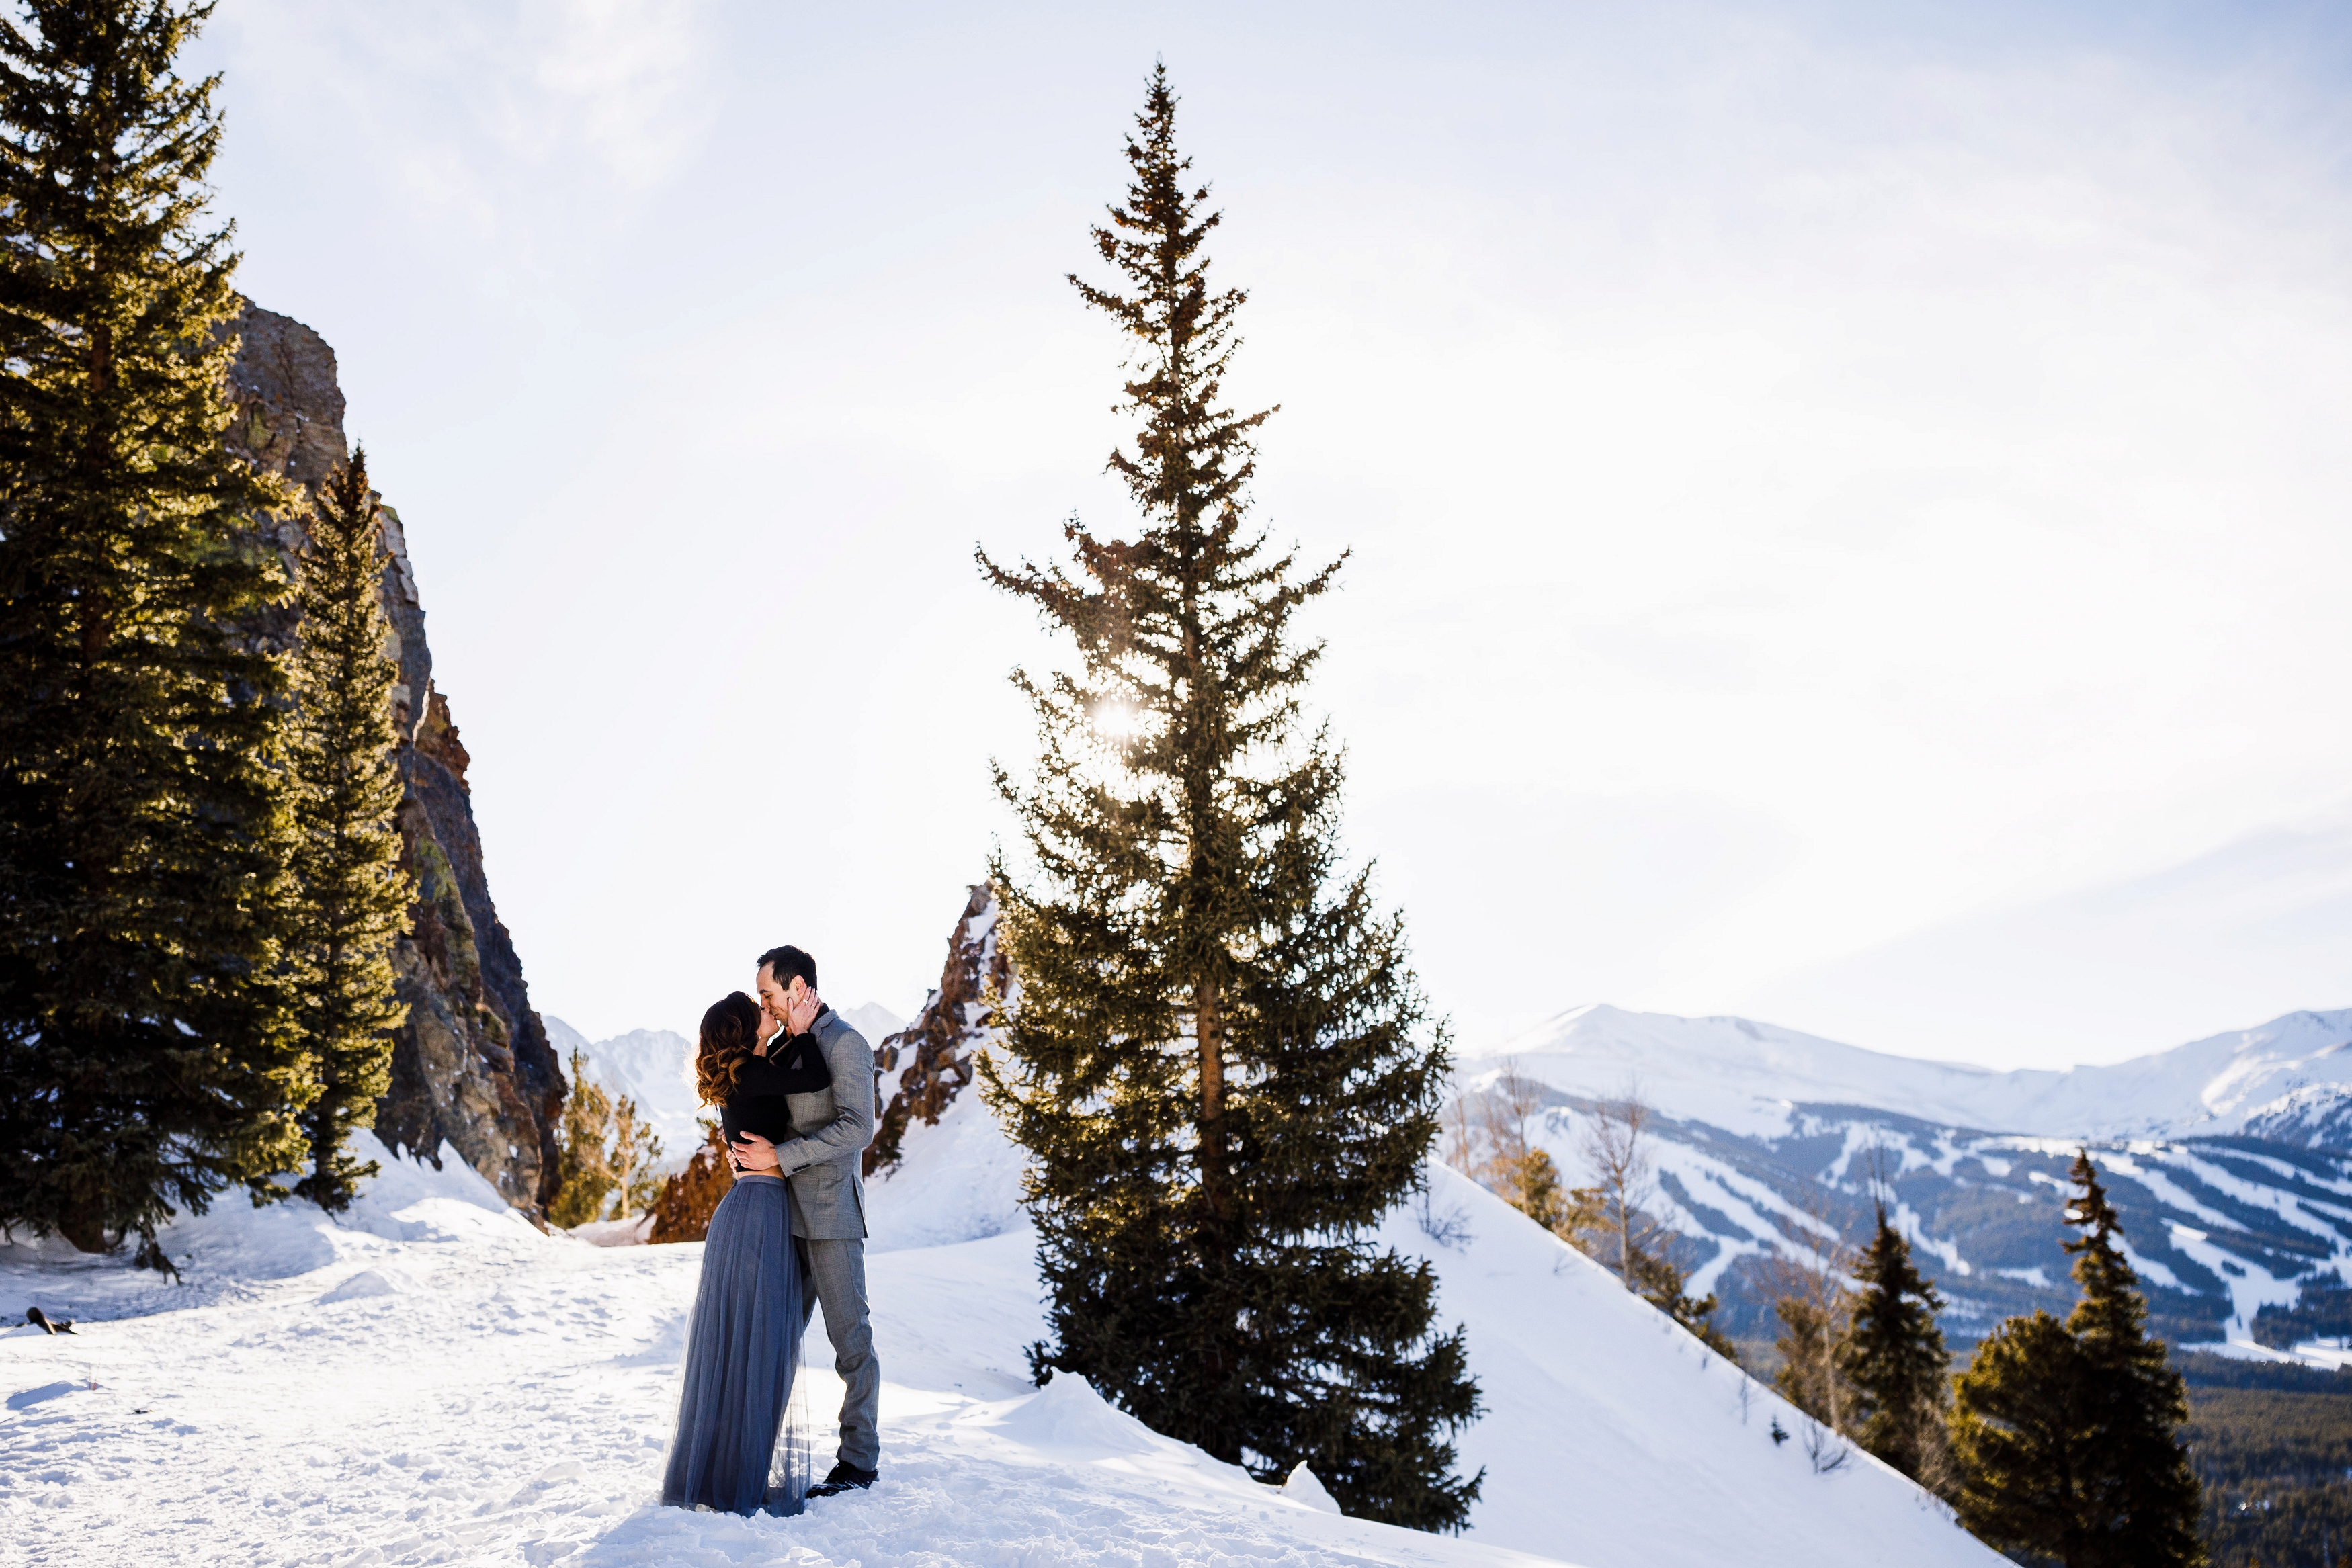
[{"x": 786, "y": 962}]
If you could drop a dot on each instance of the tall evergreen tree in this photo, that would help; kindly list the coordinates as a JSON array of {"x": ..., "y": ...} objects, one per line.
[
  {"x": 349, "y": 895},
  {"x": 2068, "y": 1435},
  {"x": 1219, "y": 1061},
  {"x": 1892, "y": 1359},
  {"x": 146, "y": 1058}
]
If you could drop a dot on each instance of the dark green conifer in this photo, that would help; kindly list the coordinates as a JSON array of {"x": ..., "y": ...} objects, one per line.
[
  {"x": 1892, "y": 1359},
  {"x": 349, "y": 895},
  {"x": 146, "y": 1058},
  {"x": 2068, "y": 1436},
  {"x": 1219, "y": 1061}
]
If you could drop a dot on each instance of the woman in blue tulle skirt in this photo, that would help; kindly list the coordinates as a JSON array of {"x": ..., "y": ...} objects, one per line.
[{"x": 741, "y": 1443}]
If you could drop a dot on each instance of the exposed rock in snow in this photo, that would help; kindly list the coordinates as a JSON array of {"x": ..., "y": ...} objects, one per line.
[{"x": 938, "y": 1049}]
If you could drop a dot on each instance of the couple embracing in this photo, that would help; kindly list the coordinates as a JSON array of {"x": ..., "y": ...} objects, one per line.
[{"x": 793, "y": 1085}]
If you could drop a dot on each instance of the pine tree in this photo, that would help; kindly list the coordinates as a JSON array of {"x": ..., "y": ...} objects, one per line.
[
  {"x": 585, "y": 1159},
  {"x": 2022, "y": 1441},
  {"x": 1534, "y": 1189},
  {"x": 1219, "y": 1062},
  {"x": 2068, "y": 1436},
  {"x": 351, "y": 896},
  {"x": 146, "y": 1057},
  {"x": 605, "y": 1150},
  {"x": 1892, "y": 1357}
]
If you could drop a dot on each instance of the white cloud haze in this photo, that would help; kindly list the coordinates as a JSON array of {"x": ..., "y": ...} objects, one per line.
[{"x": 1846, "y": 503}]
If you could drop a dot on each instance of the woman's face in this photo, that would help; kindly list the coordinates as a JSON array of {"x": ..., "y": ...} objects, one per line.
[{"x": 768, "y": 1027}]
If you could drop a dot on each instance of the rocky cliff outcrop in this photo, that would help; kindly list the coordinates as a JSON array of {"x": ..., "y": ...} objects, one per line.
[
  {"x": 940, "y": 1046},
  {"x": 472, "y": 1065}
]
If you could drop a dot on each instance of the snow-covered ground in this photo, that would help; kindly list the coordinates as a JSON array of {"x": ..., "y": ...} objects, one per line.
[{"x": 431, "y": 1380}]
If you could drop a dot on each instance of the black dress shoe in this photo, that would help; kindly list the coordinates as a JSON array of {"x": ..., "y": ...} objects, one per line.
[{"x": 845, "y": 1476}]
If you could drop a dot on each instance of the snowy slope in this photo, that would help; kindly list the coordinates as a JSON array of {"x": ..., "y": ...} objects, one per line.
[
  {"x": 1744, "y": 1077},
  {"x": 1610, "y": 1436},
  {"x": 432, "y": 1381},
  {"x": 436, "y": 1382}
]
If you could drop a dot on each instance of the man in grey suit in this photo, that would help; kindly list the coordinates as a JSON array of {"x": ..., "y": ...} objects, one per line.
[{"x": 831, "y": 1127}]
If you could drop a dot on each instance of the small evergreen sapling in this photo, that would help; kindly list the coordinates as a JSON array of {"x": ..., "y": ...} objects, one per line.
[
  {"x": 1220, "y": 1062},
  {"x": 585, "y": 1175},
  {"x": 349, "y": 894},
  {"x": 2068, "y": 1435},
  {"x": 605, "y": 1150}
]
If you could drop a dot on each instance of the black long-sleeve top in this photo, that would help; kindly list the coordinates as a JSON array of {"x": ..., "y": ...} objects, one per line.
[{"x": 795, "y": 1066}]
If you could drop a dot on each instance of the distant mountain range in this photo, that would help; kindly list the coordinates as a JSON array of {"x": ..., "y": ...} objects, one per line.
[{"x": 2230, "y": 1158}]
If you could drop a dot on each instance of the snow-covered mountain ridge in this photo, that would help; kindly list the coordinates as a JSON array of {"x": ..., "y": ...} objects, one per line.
[
  {"x": 2289, "y": 1080},
  {"x": 2227, "y": 1157}
]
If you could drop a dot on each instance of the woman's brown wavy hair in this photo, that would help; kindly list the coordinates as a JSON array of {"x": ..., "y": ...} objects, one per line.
[{"x": 730, "y": 1029}]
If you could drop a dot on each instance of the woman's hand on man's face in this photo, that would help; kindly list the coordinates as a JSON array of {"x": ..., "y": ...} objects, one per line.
[{"x": 805, "y": 1006}]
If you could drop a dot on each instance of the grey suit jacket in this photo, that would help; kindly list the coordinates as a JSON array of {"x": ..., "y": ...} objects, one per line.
[{"x": 830, "y": 1130}]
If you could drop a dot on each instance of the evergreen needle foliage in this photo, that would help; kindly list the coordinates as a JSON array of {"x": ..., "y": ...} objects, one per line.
[
  {"x": 146, "y": 1057},
  {"x": 607, "y": 1150},
  {"x": 2068, "y": 1435},
  {"x": 350, "y": 895},
  {"x": 1893, "y": 1361},
  {"x": 1219, "y": 1061}
]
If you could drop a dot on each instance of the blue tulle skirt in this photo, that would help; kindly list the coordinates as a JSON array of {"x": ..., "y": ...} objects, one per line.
[{"x": 742, "y": 1441}]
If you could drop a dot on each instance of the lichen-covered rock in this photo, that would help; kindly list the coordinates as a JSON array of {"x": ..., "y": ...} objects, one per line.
[
  {"x": 472, "y": 1065},
  {"x": 939, "y": 1048}
]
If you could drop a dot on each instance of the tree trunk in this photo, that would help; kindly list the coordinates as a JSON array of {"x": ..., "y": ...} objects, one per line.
[
  {"x": 1208, "y": 1024},
  {"x": 84, "y": 1224}
]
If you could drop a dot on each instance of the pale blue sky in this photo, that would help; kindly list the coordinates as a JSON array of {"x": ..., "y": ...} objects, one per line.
[{"x": 1847, "y": 499}]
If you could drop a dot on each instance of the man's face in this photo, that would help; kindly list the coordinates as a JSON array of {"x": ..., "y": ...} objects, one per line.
[{"x": 775, "y": 998}]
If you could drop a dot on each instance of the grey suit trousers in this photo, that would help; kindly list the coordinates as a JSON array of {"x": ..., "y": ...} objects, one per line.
[{"x": 834, "y": 1275}]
